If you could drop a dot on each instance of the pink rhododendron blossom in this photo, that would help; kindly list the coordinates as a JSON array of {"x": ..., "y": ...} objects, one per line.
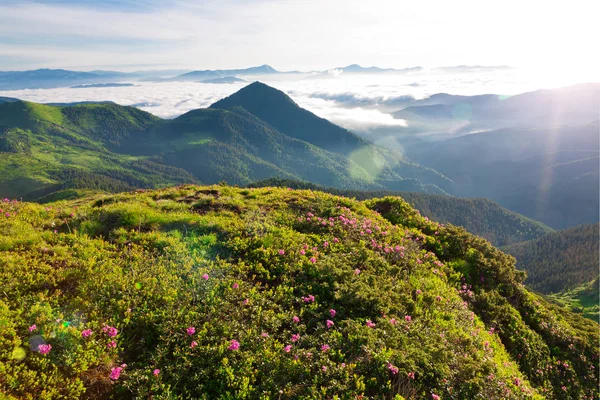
[
  {"x": 411, "y": 375},
  {"x": 323, "y": 368},
  {"x": 287, "y": 348},
  {"x": 370, "y": 324},
  {"x": 435, "y": 397},
  {"x": 393, "y": 321},
  {"x": 193, "y": 344},
  {"x": 392, "y": 368},
  {"x": 32, "y": 328},
  {"x": 112, "y": 344},
  {"x": 295, "y": 337},
  {"x": 205, "y": 277},
  {"x": 44, "y": 348},
  {"x": 356, "y": 271},
  {"x": 418, "y": 291},
  {"x": 408, "y": 318},
  {"x": 191, "y": 330},
  {"x": 332, "y": 312},
  {"x": 156, "y": 372},
  {"x": 234, "y": 345},
  {"x": 281, "y": 252},
  {"x": 313, "y": 260},
  {"x": 115, "y": 373},
  {"x": 264, "y": 334},
  {"x": 330, "y": 323},
  {"x": 325, "y": 347},
  {"x": 235, "y": 286},
  {"x": 86, "y": 333},
  {"x": 110, "y": 331},
  {"x": 335, "y": 240},
  {"x": 303, "y": 252},
  {"x": 295, "y": 319}
]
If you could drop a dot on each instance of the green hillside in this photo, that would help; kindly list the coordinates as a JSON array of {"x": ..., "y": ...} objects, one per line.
[
  {"x": 113, "y": 148},
  {"x": 482, "y": 217},
  {"x": 560, "y": 260},
  {"x": 584, "y": 300},
  {"x": 219, "y": 293}
]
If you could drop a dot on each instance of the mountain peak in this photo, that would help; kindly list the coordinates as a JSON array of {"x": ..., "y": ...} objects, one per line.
[{"x": 280, "y": 111}]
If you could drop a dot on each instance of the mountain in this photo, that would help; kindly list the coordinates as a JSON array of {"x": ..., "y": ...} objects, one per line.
[
  {"x": 443, "y": 116},
  {"x": 101, "y": 85},
  {"x": 108, "y": 147},
  {"x": 357, "y": 69},
  {"x": 481, "y": 217},
  {"x": 219, "y": 73},
  {"x": 224, "y": 80},
  {"x": 548, "y": 174},
  {"x": 223, "y": 292},
  {"x": 52, "y": 78},
  {"x": 43, "y": 78},
  {"x": 560, "y": 260}
]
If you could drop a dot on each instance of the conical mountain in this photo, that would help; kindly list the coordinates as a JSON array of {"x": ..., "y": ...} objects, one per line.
[{"x": 281, "y": 112}]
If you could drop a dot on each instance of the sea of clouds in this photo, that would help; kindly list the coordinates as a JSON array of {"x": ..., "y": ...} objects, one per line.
[{"x": 361, "y": 103}]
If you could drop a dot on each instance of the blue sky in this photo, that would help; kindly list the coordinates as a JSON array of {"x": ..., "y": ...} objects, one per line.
[{"x": 297, "y": 34}]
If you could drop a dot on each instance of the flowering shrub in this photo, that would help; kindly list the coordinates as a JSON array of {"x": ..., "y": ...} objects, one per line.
[{"x": 218, "y": 292}]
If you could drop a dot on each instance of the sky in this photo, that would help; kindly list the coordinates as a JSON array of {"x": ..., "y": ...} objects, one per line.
[{"x": 554, "y": 37}]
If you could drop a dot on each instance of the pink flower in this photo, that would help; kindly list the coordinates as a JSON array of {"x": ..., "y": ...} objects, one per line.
[
  {"x": 295, "y": 319},
  {"x": 191, "y": 330},
  {"x": 281, "y": 252},
  {"x": 112, "y": 344},
  {"x": 115, "y": 373},
  {"x": 438, "y": 298},
  {"x": 408, "y": 318},
  {"x": 287, "y": 348},
  {"x": 246, "y": 301},
  {"x": 325, "y": 347},
  {"x": 295, "y": 337},
  {"x": 335, "y": 240},
  {"x": 418, "y": 291},
  {"x": 325, "y": 243},
  {"x": 234, "y": 345},
  {"x": 264, "y": 334},
  {"x": 44, "y": 348},
  {"x": 370, "y": 324},
  {"x": 313, "y": 260},
  {"x": 411, "y": 375},
  {"x": 194, "y": 344},
  {"x": 330, "y": 323},
  {"x": 235, "y": 286},
  {"x": 393, "y": 370},
  {"x": 435, "y": 397},
  {"x": 332, "y": 312},
  {"x": 205, "y": 277},
  {"x": 323, "y": 368},
  {"x": 110, "y": 331},
  {"x": 156, "y": 372},
  {"x": 356, "y": 271},
  {"x": 303, "y": 252},
  {"x": 86, "y": 333},
  {"x": 32, "y": 328},
  {"x": 393, "y": 321},
  {"x": 309, "y": 299}
]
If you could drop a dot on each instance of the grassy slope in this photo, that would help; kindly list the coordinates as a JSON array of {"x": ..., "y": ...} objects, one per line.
[
  {"x": 481, "y": 217},
  {"x": 43, "y": 147},
  {"x": 584, "y": 300},
  {"x": 137, "y": 262}
]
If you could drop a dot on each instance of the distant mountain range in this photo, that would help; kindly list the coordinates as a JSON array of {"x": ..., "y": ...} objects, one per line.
[
  {"x": 52, "y": 78},
  {"x": 254, "y": 134}
]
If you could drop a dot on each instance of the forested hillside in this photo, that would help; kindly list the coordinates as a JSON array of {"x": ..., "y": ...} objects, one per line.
[{"x": 559, "y": 260}]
